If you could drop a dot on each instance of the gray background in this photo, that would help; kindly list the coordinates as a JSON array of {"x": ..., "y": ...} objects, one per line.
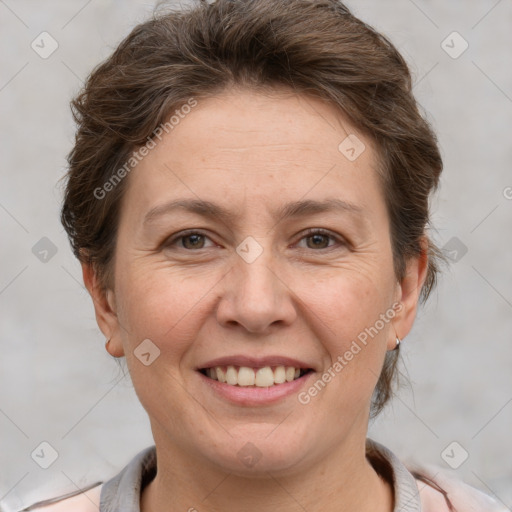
[{"x": 58, "y": 384}]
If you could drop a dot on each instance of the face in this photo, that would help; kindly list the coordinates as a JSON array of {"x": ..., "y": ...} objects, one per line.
[{"x": 274, "y": 267}]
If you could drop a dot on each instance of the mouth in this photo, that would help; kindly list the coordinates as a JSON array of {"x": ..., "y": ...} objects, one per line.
[{"x": 255, "y": 377}]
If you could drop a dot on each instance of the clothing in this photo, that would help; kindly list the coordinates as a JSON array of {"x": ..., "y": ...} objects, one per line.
[{"x": 122, "y": 492}]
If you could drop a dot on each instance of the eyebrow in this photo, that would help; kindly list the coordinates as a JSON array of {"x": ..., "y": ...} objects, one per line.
[{"x": 212, "y": 210}]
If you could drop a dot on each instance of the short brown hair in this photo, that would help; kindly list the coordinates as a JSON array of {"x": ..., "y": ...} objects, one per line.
[{"x": 310, "y": 46}]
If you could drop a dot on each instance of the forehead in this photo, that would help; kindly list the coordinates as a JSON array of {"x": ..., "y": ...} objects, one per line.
[
  {"x": 245, "y": 147},
  {"x": 243, "y": 119}
]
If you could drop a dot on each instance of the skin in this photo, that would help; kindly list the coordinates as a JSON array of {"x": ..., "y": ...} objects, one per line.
[{"x": 303, "y": 297}]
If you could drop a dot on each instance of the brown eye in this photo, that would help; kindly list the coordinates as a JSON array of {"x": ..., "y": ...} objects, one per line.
[
  {"x": 319, "y": 239},
  {"x": 196, "y": 241},
  {"x": 193, "y": 240}
]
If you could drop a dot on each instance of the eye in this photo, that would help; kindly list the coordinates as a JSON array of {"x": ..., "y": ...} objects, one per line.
[
  {"x": 195, "y": 240},
  {"x": 319, "y": 238},
  {"x": 189, "y": 240}
]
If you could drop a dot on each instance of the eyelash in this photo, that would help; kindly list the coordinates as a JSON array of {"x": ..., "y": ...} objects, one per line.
[{"x": 307, "y": 234}]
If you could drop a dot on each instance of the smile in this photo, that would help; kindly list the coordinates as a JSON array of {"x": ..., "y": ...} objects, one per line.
[{"x": 244, "y": 376}]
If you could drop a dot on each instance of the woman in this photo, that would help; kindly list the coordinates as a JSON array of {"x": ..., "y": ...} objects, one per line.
[{"x": 248, "y": 196}]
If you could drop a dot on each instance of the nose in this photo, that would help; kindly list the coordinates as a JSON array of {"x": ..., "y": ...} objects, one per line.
[{"x": 256, "y": 296}]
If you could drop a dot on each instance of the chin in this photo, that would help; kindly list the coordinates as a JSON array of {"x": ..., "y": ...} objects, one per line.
[{"x": 259, "y": 451}]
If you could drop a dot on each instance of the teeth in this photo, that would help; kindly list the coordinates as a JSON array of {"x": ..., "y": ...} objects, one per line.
[
  {"x": 246, "y": 376},
  {"x": 279, "y": 375},
  {"x": 219, "y": 373},
  {"x": 232, "y": 376},
  {"x": 264, "y": 377},
  {"x": 260, "y": 377}
]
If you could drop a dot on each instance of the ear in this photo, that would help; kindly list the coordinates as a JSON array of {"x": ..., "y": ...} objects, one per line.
[
  {"x": 105, "y": 310},
  {"x": 408, "y": 294}
]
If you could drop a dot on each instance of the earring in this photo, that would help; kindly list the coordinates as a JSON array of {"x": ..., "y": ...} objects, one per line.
[
  {"x": 107, "y": 342},
  {"x": 398, "y": 341}
]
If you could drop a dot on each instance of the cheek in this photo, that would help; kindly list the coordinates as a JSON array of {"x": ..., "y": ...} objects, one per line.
[
  {"x": 160, "y": 305},
  {"x": 354, "y": 312},
  {"x": 350, "y": 301}
]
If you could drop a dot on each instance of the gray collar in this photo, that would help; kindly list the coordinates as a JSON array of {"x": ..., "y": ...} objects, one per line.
[{"x": 122, "y": 492}]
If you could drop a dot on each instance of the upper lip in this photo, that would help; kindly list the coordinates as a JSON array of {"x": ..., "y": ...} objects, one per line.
[{"x": 255, "y": 362}]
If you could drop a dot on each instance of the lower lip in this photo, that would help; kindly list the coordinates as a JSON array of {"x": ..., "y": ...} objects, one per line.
[{"x": 251, "y": 396}]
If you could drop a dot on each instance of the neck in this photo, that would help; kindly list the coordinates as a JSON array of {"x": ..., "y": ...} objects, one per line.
[{"x": 343, "y": 480}]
